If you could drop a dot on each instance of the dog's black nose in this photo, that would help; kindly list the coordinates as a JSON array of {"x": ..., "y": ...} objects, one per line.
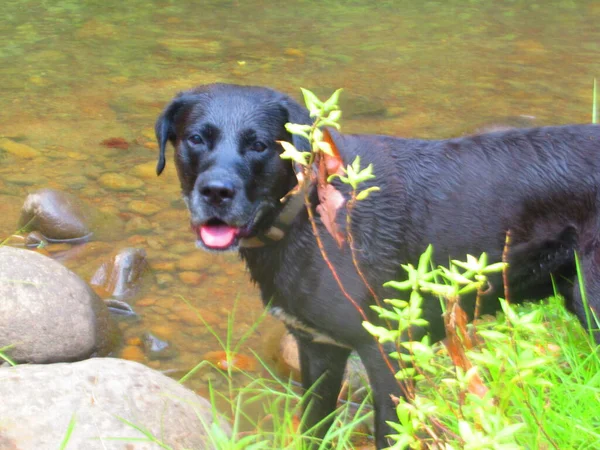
[{"x": 217, "y": 193}]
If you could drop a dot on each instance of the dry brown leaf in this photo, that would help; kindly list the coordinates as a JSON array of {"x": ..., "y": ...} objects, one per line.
[
  {"x": 334, "y": 164},
  {"x": 330, "y": 199},
  {"x": 456, "y": 320}
]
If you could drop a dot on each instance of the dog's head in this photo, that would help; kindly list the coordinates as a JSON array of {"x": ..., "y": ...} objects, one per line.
[{"x": 227, "y": 157}]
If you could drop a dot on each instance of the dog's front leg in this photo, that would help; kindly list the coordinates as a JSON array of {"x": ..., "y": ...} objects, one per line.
[
  {"x": 384, "y": 385},
  {"x": 322, "y": 369}
]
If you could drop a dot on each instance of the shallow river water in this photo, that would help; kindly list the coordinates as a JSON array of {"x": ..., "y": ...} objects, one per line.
[{"x": 74, "y": 74}]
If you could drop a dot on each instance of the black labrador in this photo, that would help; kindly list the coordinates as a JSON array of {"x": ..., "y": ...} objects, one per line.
[{"x": 461, "y": 195}]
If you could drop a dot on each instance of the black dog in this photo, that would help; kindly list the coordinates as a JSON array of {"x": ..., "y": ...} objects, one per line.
[{"x": 461, "y": 195}]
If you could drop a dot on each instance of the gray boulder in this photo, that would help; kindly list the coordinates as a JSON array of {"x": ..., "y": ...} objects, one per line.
[
  {"x": 47, "y": 313},
  {"x": 104, "y": 398}
]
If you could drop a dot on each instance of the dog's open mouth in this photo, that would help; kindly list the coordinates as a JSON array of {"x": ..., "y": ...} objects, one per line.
[{"x": 216, "y": 234}]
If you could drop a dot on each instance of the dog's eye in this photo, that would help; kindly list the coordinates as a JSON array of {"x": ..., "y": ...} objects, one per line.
[
  {"x": 196, "y": 139},
  {"x": 258, "y": 146}
]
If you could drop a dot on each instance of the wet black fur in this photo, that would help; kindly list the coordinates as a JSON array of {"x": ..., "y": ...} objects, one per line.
[{"x": 461, "y": 195}]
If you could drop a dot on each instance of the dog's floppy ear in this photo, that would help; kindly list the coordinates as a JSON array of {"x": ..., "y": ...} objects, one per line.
[
  {"x": 296, "y": 114},
  {"x": 164, "y": 128}
]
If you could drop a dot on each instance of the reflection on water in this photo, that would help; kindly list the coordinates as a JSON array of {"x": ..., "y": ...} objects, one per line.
[{"x": 82, "y": 84}]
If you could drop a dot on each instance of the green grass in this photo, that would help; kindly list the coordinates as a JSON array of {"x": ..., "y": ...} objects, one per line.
[
  {"x": 68, "y": 433},
  {"x": 548, "y": 381},
  {"x": 559, "y": 409},
  {"x": 543, "y": 379},
  {"x": 264, "y": 411}
]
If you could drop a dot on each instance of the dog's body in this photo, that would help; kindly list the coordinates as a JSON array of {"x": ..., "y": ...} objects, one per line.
[{"x": 461, "y": 195}]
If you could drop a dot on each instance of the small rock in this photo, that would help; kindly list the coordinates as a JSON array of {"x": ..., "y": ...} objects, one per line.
[
  {"x": 77, "y": 156},
  {"x": 150, "y": 134},
  {"x": 157, "y": 348},
  {"x": 165, "y": 266},
  {"x": 146, "y": 170},
  {"x": 55, "y": 214},
  {"x": 139, "y": 225},
  {"x": 122, "y": 274},
  {"x": 144, "y": 208},
  {"x": 133, "y": 353},
  {"x": 119, "y": 182},
  {"x": 155, "y": 243},
  {"x": 193, "y": 261},
  {"x": 193, "y": 317},
  {"x": 137, "y": 341},
  {"x": 35, "y": 239},
  {"x": 164, "y": 280},
  {"x": 148, "y": 301},
  {"x": 14, "y": 240},
  {"x": 163, "y": 331},
  {"x": 120, "y": 308},
  {"x": 191, "y": 278},
  {"x": 19, "y": 150},
  {"x": 294, "y": 53}
]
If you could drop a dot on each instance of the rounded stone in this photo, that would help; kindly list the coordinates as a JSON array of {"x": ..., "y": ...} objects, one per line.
[
  {"x": 146, "y": 170},
  {"x": 113, "y": 403},
  {"x": 138, "y": 225},
  {"x": 191, "y": 278},
  {"x": 55, "y": 214},
  {"x": 144, "y": 208},
  {"x": 119, "y": 182},
  {"x": 18, "y": 149},
  {"x": 47, "y": 313}
]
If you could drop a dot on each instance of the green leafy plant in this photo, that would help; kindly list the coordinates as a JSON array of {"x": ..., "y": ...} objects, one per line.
[{"x": 494, "y": 392}]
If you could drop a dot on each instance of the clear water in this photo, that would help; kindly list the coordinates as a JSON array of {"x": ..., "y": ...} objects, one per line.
[{"x": 73, "y": 74}]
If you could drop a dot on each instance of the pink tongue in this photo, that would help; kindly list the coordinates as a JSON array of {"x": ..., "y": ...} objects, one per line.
[{"x": 218, "y": 236}]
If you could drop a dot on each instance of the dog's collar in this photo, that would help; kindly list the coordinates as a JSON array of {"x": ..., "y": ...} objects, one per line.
[{"x": 293, "y": 202}]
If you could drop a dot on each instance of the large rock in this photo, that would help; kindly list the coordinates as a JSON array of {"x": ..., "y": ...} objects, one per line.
[
  {"x": 100, "y": 394},
  {"x": 47, "y": 313}
]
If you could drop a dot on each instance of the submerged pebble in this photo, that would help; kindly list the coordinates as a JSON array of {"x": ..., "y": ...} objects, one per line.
[
  {"x": 156, "y": 348},
  {"x": 118, "y": 182},
  {"x": 18, "y": 149}
]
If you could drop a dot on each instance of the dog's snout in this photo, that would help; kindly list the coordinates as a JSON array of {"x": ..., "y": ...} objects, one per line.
[{"x": 217, "y": 193}]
